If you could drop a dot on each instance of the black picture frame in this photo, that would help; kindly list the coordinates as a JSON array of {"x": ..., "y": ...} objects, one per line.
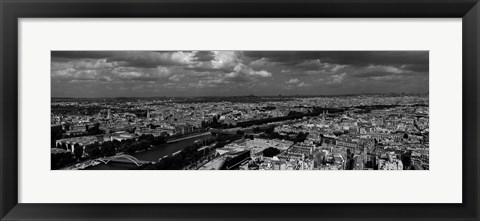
[{"x": 12, "y": 10}]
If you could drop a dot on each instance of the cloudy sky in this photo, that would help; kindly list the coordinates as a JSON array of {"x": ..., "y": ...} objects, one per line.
[{"x": 232, "y": 73}]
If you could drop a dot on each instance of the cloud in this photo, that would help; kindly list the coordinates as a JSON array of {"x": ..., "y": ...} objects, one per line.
[
  {"x": 154, "y": 59},
  {"x": 395, "y": 58},
  {"x": 143, "y": 59},
  {"x": 85, "y": 75},
  {"x": 63, "y": 73},
  {"x": 204, "y": 56},
  {"x": 210, "y": 83},
  {"x": 385, "y": 73},
  {"x": 244, "y": 69},
  {"x": 310, "y": 64},
  {"x": 162, "y": 71},
  {"x": 135, "y": 76},
  {"x": 303, "y": 84},
  {"x": 237, "y": 71},
  {"x": 140, "y": 74},
  {"x": 243, "y": 73},
  {"x": 338, "y": 78},
  {"x": 416, "y": 67},
  {"x": 83, "y": 64},
  {"x": 261, "y": 73},
  {"x": 314, "y": 67},
  {"x": 225, "y": 59},
  {"x": 261, "y": 63},
  {"x": 295, "y": 82},
  {"x": 94, "y": 64},
  {"x": 176, "y": 77},
  {"x": 292, "y": 81},
  {"x": 337, "y": 67}
]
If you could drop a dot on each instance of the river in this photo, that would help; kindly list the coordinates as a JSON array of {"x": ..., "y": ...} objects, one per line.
[{"x": 153, "y": 154}]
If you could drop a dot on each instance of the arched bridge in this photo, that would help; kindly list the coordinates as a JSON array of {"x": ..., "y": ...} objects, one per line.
[{"x": 122, "y": 158}]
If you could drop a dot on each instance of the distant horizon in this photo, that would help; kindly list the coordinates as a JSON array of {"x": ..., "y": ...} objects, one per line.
[
  {"x": 93, "y": 74},
  {"x": 280, "y": 95}
]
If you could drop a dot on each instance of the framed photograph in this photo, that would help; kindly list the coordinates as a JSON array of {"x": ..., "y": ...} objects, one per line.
[{"x": 229, "y": 110}]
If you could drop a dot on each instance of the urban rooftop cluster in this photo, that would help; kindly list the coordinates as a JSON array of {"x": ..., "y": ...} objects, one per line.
[{"x": 358, "y": 132}]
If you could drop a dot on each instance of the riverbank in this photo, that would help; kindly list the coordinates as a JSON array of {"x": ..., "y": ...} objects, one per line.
[
  {"x": 156, "y": 153},
  {"x": 188, "y": 137}
]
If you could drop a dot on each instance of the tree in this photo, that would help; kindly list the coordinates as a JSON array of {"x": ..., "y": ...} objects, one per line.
[
  {"x": 93, "y": 150},
  {"x": 269, "y": 130},
  {"x": 338, "y": 133},
  {"x": 60, "y": 160},
  {"x": 270, "y": 152},
  {"x": 241, "y": 133},
  {"x": 116, "y": 143},
  {"x": 78, "y": 151},
  {"x": 301, "y": 137},
  {"x": 107, "y": 144},
  {"x": 406, "y": 158},
  {"x": 107, "y": 149},
  {"x": 146, "y": 137}
]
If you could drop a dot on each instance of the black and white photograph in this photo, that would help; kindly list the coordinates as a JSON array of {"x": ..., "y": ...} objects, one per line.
[{"x": 239, "y": 110}]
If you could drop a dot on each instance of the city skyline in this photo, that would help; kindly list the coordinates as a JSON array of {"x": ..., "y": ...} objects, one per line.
[
  {"x": 371, "y": 132},
  {"x": 240, "y": 110},
  {"x": 102, "y": 74}
]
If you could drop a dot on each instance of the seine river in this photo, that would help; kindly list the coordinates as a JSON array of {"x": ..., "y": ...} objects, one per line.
[{"x": 153, "y": 154}]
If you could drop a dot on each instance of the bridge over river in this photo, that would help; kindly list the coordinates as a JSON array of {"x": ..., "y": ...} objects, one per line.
[
  {"x": 189, "y": 137},
  {"x": 123, "y": 158},
  {"x": 151, "y": 155}
]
